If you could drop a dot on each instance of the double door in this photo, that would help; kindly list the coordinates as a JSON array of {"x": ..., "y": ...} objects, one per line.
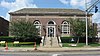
[{"x": 51, "y": 31}]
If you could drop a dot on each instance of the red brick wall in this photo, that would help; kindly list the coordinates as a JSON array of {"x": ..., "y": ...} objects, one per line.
[{"x": 45, "y": 19}]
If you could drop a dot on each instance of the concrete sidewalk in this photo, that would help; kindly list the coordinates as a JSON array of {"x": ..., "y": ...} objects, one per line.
[{"x": 41, "y": 49}]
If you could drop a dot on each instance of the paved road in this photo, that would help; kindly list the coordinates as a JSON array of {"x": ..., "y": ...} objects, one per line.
[
  {"x": 92, "y": 53},
  {"x": 49, "y": 55}
]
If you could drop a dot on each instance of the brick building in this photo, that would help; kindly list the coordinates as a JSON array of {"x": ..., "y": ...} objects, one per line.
[
  {"x": 4, "y": 25},
  {"x": 51, "y": 22}
]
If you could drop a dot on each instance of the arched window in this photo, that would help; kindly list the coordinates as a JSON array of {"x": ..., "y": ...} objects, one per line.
[
  {"x": 38, "y": 26},
  {"x": 36, "y": 23},
  {"x": 50, "y": 22},
  {"x": 66, "y": 27}
]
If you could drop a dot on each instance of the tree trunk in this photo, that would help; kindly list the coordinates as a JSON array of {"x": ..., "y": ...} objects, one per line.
[{"x": 77, "y": 41}]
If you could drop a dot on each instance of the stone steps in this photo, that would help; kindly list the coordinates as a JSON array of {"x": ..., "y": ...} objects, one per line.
[
  {"x": 51, "y": 42},
  {"x": 55, "y": 42},
  {"x": 47, "y": 42}
]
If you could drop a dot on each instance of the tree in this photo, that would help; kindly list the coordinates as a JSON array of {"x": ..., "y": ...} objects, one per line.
[
  {"x": 23, "y": 30},
  {"x": 92, "y": 32},
  {"x": 77, "y": 28}
]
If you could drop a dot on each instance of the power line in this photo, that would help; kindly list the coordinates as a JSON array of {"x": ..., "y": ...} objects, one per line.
[{"x": 92, "y": 6}]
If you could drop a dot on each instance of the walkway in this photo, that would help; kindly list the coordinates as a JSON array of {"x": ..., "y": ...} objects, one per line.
[{"x": 64, "y": 49}]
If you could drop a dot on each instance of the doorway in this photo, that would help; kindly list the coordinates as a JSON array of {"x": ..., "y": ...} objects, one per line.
[{"x": 51, "y": 29}]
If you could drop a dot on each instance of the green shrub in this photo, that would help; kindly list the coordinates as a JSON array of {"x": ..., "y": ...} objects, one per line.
[
  {"x": 6, "y": 38},
  {"x": 66, "y": 39},
  {"x": 81, "y": 39}
]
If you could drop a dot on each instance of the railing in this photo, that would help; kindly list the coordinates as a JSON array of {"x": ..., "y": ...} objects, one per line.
[
  {"x": 42, "y": 40},
  {"x": 59, "y": 41}
]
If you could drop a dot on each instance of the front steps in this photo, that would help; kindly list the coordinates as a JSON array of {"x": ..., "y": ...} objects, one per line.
[{"x": 51, "y": 42}]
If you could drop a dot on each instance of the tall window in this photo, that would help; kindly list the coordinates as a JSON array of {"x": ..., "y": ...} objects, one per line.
[
  {"x": 38, "y": 26},
  {"x": 66, "y": 27}
]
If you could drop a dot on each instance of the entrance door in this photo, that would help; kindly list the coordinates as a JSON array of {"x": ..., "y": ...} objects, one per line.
[{"x": 51, "y": 31}]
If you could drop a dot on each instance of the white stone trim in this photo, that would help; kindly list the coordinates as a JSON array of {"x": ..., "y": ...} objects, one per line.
[{"x": 51, "y": 25}]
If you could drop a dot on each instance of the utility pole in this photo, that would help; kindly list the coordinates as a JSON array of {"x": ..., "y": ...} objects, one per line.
[
  {"x": 87, "y": 12},
  {"x": 86, "y": 23}
]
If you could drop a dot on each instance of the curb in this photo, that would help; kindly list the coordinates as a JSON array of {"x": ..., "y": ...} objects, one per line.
[
  {"x": 51, "y": 50},
  {"x": 46, "y": 51}
]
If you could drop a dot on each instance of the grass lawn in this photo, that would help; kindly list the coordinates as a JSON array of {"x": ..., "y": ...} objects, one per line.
[
  {"x": 80, "y": 45},
  {"x": 21, "y": 44},
  {"x": 94, "y": 44},
  {"x": 31, "y": 44},
  {"x": 69, "y": 45}
]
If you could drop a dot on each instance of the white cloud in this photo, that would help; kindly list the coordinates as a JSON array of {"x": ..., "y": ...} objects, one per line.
[
  {"x": 75, "y": 3},
  {"x": 18, "y": 4},
  {"x": 64, "y": 1},
  {"x": 96, "y": 17},
  {"x": 79, "y": 3}
]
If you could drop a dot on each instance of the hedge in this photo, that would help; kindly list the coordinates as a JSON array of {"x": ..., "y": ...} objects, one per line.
[
  {"x": 6, "y": 38},
  {"x": 12, "y": 39},
  {"x": 81, "y": 39}
]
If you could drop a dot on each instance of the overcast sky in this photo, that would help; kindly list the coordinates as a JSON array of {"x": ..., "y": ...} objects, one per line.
[{"x": 7, "y": 6}]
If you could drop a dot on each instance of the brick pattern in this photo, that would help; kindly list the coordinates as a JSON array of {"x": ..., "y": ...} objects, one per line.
[{"x": 44, "y": 18}]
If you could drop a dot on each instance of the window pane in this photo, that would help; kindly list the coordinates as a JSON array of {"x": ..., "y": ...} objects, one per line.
[
  {"x": 65, "y": 28},
  {"x": 38, "y": 26}
]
